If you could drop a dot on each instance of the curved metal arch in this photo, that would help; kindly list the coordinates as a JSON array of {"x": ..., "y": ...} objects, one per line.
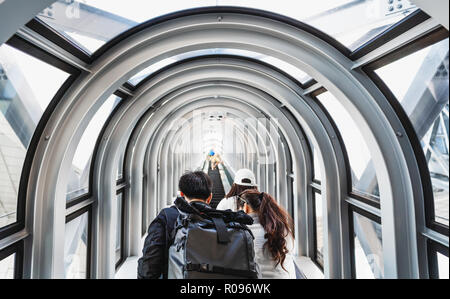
[
  {"x": 182, "y": 129},
  {"x": 163, "y": 146},
  {"x": 138, "y": 166},
  {"x": 176, "y": 173},
  {"x": 177, "y": 134},
  {"x": 195, "y": 102},
  {"x": 272, "y": 145},
  {"x": 153, "y": 188},
  {"x": 404, "y": 173},
  {"x": 396, "y": 167},
  {"x": 253, "y": 150},
  {"x": 111, "y": 158},
  {"x": 256, "y": 101},
  {"x": 309, "y": 113},
  {"x": 136, "y": 180},
  {"x": 278, "y": 196}
]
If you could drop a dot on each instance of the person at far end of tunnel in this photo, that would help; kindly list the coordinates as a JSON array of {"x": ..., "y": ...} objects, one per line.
[
  {"x": 273, "y": 231},
  {"x": 215, "y": 161},
  {"x": 194, "y": 187},
  {"x": 244, "y": 179}
]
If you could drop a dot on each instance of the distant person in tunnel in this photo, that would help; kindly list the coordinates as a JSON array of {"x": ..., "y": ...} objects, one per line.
[
  {"x": 215, "y": 161},
  {"x": 244, "y": 179},
  {"x": 194, "y": 187},
  {"x": 209, "y": 157},
  {"x": 273, "y": 231}
]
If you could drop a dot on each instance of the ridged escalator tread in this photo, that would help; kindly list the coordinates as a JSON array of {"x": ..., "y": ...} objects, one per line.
[{"x": 217, "y": 190}]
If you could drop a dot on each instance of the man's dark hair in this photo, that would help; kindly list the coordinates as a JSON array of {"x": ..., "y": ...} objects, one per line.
[{"x": 195, "y": 184}]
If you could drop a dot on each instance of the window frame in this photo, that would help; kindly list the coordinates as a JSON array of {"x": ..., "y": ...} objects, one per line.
[
  {"x": 417, "y": 44},
  {"x": 122, "y": 227},
  {"x": 78, "y": 199},
  {"x": 315, "y": 258},
  {"x": 76, "y": 214},
  {"x": 17, "y": 249},
  {"x": 30, "y": 49},
  {"x": 433, "y": 248},
  {"x": 353, "y": 209}
]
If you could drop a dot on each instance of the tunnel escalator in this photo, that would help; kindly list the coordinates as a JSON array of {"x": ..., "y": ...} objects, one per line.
[
  {"x": 218, "y": 189},
  {"x": 339, "y": 108}
]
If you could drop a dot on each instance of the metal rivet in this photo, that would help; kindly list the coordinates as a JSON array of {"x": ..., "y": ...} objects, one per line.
[
  {"x": 399, "y": 134},
  {"x": 47, "y": 137},
  {"x": 219, "y": 18}
]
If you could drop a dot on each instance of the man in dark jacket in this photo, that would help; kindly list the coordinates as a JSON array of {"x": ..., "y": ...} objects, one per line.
[{"x": 193, "y": 186}]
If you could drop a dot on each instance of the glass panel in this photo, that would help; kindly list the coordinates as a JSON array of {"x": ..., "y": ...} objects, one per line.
[
  {"x": 92, "y": 23},
  {"x": 7, "y": 267},
  {"x": 319, "y": 227},
  {"x": 442, "y": 265},
  {"x": 368, "y": 248},
  {"x": 349, "y": 21},
  {"x": 420, "y": 83},
  {"x": 119, "y": 227},
  {"x": 144, "y": 206},
  {"x": 317, "y": 173},
  {"x": 27, "y": 86},
  {"x": 296, "y": 73},
  {"x": 120, "y": 167},
  {"x": 364, "y": 178},
  {"x": 81, "y": 164},
  {"x": 75, "y": 247}
]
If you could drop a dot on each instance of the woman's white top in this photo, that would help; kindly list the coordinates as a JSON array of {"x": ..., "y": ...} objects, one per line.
[
  {"x": 227, "y": 203},
  {"x": 264, "y": 259}
]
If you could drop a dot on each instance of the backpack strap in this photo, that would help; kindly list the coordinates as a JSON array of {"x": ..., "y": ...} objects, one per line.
[
  {"x": 222, "y": 232},
  {"x": 221, "y": 270}
]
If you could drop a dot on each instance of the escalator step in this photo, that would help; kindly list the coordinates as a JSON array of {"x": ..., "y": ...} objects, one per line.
[{"x": 218, "y": 190}]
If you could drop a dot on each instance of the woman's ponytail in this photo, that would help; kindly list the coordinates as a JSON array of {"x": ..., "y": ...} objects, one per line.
[{"x": 274, "y": 219}]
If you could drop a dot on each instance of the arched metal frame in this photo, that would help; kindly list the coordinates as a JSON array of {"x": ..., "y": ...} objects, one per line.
[
  {"x": 176, "y": 135},
  {"x": 253, "y": 139},
  {"x": 400, "y": 253},
  {"x": 151, "y": 130},
  {"x": 153, "y": 95},
  {"x": 163, "y": 149}
]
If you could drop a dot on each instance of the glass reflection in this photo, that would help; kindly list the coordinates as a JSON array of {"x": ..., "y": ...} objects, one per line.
[
  {"x": 364, "y": 179},
  {"x": 27, "y": 85},
  {"x": 81, "y": 163},
  {"x": 420, "y": 83},
  {"x": 368, "y": 248},
  {"x": 75, "y": 247}
]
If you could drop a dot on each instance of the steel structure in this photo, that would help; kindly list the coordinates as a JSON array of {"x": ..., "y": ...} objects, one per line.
[{"x": 149, "y": 136}]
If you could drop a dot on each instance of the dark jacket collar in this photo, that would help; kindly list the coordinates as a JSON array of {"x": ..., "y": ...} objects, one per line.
[{"x": 206, "y": 211}]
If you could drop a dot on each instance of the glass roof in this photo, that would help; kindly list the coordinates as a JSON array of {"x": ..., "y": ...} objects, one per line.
[
  {"x": 296, "y": 73},
  {"x": 92, "y": 23}
]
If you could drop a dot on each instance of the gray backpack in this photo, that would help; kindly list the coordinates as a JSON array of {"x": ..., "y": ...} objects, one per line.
[{"x": 209, "y": 243}]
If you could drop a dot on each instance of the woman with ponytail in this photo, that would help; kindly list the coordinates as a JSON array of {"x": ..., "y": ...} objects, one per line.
[{"x": 273, "y": 231}]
